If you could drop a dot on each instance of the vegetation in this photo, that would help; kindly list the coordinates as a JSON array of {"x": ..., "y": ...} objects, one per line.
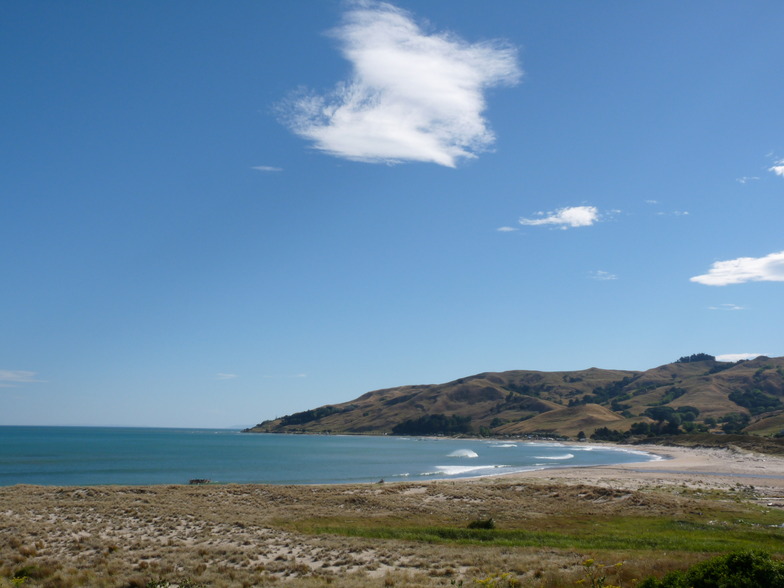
[
  {"x": 434, "y": 424},
  {"x": 307, "y": 416},
  {"x": 492, "y": 532},
  {"x": 746, "y": 569},
  {"x": 696, "y": 357},
  {"x": 755, "y": 400}
]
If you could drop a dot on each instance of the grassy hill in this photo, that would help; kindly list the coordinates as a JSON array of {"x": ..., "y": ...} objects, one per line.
[{"x": 697, "y": 393}]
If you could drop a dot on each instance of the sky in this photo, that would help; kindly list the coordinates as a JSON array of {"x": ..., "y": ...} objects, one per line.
[{"x": 217, "y": 213}]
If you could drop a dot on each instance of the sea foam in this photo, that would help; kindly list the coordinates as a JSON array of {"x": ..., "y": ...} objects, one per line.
[
  {"x": 558, "y": 457},
  {"x": 463, "y": 453}
]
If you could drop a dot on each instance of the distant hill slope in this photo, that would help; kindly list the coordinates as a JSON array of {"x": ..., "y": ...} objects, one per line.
[{"x": 698, "y": 391}]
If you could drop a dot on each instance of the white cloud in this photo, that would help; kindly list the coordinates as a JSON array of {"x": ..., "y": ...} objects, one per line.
[
  {"x": 727, "y": 307},
  {"x": 507, "y": 229},
  {"x": 413, "y": 96},
  {"x": 11, "y": 378},
  {"x": 674, "y": 213},
  {"x": 778, "y": 169},
  {"x": 744, "y": 269},
  {"x": 737, "y": 356},
  {"x": 267, "y": 168},
  {"x": 574, "y": 216},
  {"x": 226, "y": 376},
  {"x": 603, "y": 275},
  {"x": 747, "y": 179}
]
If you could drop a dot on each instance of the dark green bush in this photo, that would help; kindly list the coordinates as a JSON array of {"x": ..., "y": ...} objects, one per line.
[
  {"x": 482, "y": 524},
  {"x": 745, "y": 569}
]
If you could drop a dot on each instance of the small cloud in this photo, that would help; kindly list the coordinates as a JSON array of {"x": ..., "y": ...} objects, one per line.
[
  {"x": 288, "y": 376},
  {"x": 12, "y": 378},
  {"x": 226, "y": 376},
  {"x": 569, "y": 217},
  {"x": 738, "y": 356},
  {"x": 507, "y": 229},
  {"x": 744, "y": 269},
  {"x": 674, "y": 213},
  {"x": 747, "y": 179},
  {"x": 603, "y": 276},
  {"x": 778, "y": 169},
  {"x": 413, "y": 95},
  {"x": 727, "y": 307},
  {"x": 651, "y": 202},
  {"x": 267, "y": 168}
]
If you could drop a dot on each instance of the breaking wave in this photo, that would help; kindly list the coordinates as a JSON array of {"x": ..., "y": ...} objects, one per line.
[
  {"x": 559, "y": 457},
  {"x": 463, "y": 453},
  {"x": 458, "y": 470}
]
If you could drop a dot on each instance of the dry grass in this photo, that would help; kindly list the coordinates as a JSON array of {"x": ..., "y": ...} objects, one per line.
[{"x": 256, "y": 535}]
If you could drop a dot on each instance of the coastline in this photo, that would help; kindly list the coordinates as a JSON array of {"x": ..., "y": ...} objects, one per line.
[
  {"x": 254, "y": 534},
  {"x": 697, "y": 468}
]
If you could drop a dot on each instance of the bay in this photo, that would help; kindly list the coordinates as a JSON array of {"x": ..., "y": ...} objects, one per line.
[{"x": 85, "y": 456}]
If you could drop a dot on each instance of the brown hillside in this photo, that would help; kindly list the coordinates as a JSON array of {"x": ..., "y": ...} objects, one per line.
[
  {"x": 522, "y": 401},
  {"x": 565, "y": 421}
]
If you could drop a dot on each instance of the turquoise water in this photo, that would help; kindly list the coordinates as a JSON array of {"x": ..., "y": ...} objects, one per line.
[{"x": 81, "y": 456}]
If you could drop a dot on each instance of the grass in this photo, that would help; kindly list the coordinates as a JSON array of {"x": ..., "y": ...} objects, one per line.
[
  {"x": 369, "y": 535},
  {"x": 622, "y": 533}
]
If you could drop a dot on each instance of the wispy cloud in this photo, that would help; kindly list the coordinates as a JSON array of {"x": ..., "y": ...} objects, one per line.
[
  {"x": 565, "y": 218},
  {"x": 222, "y": 376},
  {"x": 267, "y": 168},
  {"x": 413, "y": 95},
  {"x": 727, "y": 307},
  {"x": 778, "y": 168},
  {"x": 602, "y": 275},
  {"x": 747, "y": 179},
  {"x": 12, "y": 378},
  {"x": 744, "y": 269},
  {"x": 674, "y": 213},
  {"x": 737, "y": 356},
  {"x": 507, "y": 229}
]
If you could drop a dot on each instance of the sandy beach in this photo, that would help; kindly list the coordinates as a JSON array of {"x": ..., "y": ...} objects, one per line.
[
  {"x": 694, "y": 467},
  {"x": 257, "y": 535}
]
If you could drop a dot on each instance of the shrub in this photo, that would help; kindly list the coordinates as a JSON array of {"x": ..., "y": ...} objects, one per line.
[
  {"x": 482, "y": 524},
  {"x": 745, "y": 569}
]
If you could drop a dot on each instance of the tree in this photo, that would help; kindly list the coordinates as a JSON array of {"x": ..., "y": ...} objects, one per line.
[{"x": 696, "y": 357}]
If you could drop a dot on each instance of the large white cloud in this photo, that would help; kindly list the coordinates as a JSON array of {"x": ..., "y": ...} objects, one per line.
[
  {"x": 572, "y": 216},
  {"x": 778, "y": 169},
  {"x": 738, "y": 356},
  {"x": 412, "y": 96},
  {"x": 744, "y": 269}
]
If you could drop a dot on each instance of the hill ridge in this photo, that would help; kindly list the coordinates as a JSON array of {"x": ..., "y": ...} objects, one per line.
[{"x": 695, "y": 393}]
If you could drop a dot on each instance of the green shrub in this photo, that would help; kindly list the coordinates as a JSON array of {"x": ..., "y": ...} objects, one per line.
[
  {"x": 745, "y": 569},
  {"x": 482, "y": 524}
]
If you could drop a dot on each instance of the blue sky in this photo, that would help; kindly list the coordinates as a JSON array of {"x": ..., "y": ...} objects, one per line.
[{"x": 218, "y": 213}]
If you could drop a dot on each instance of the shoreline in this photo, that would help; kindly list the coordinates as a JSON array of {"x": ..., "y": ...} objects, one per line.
[
  {"x": 694, "y": 468},
  {"x": 263, "y": 534}
]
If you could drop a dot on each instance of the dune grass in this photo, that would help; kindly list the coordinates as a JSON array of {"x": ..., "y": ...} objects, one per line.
[{"x": 609, "y": 534}]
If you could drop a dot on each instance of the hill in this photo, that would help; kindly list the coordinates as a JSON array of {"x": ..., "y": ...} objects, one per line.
[{"x": 695, "y": 393}]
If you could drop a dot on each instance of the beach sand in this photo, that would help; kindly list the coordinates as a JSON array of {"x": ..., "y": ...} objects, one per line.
[
  {"x": 258, "y": 535},
  {"x": 705, "y": 468}
]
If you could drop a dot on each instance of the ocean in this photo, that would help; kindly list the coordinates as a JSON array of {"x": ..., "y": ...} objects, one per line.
[{"x": 87, "y": 456}]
